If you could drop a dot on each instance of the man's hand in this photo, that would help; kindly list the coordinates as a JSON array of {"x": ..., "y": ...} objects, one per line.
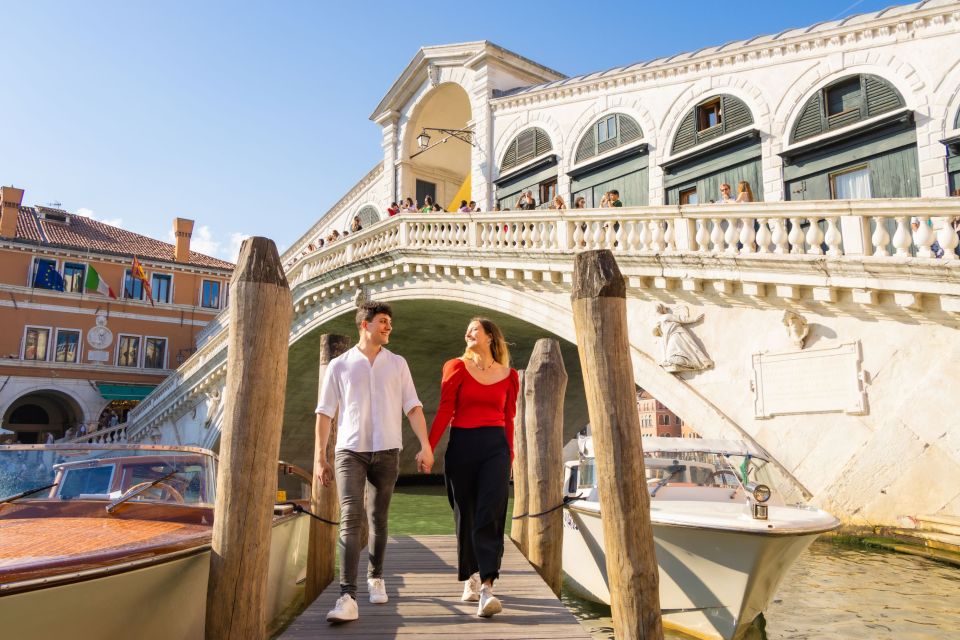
[
  {"x": 425, "y": 460},
  {"x": 326, "y": 473}
]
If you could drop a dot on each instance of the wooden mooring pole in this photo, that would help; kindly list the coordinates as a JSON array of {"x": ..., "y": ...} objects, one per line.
[
  {"x": 521, "y": 502},
  {"x": 545, "y": 382},
  {"x": 258, "y": 338},
  {"x": 600, "y": 321},
  {"x": 322, "y": 549}
]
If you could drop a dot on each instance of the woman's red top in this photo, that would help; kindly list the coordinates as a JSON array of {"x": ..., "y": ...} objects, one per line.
[{"x": 466, "y": 403}]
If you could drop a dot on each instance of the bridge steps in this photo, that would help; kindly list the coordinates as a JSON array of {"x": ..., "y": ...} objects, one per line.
[
  {"x": 943, "y": 524},
  {"x": 931, "y": 539}
]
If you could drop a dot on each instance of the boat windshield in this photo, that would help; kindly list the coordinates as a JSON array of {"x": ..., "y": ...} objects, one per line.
[{"x": 107, "y": 472}]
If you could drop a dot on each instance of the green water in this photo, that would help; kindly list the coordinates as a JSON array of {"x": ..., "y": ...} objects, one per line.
[{"x": 418, "y": 511}]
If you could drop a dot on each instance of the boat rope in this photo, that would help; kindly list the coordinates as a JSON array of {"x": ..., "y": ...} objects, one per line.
[
  {"x": 298, "y": 509},
  {"x": 566, "y": 500}
]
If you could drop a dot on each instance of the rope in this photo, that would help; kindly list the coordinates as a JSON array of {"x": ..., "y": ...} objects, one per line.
[
  {"x": 298, "y": 509},
  {"x": 566, "y": 500}
]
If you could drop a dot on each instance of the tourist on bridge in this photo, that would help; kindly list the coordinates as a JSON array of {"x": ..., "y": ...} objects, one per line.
[
  {"x": 526, "y": 202},
  {"x": 368, "y": 446},
  {"x": 478, "y": 397}
]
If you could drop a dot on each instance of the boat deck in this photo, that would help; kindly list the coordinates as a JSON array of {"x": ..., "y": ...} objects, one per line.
[{"x": 424, "y": 593}]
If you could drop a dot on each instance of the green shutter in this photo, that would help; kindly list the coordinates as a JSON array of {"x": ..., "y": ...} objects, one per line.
[
  {"x": 687, "y": 133},
  {"x": 587, "y": 147},
  {"x": 810, "y": 122},
  {"x": 629, "y": 129},
  {"x": 895, "y": 174},
  {"x": 872, "y": 94},
  {"x": 735, "y": 114},
  {"x": 368, "y": 215},
  {"x": 542, "y": 142},
  {"x": 956, "y": 121},
  {"x": 526, "y": 146},
  {"x": 881, "y": 96},
  {"x": 510, "y": 157}
]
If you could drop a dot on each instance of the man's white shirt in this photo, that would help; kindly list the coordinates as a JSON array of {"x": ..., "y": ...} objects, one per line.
[{"x": 371, "y": 399}]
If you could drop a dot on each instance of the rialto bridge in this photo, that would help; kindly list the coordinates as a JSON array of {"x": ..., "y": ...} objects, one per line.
[{"x": 855, "y": 399}]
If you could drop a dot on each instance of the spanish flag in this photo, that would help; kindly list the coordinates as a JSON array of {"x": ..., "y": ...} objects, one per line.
[{"x": 136, "y": 271}]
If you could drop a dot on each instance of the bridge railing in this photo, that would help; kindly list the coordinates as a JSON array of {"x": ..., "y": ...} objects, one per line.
[
  {"x": 869, "y": 228},
  {"x": 108, "y": 435}
]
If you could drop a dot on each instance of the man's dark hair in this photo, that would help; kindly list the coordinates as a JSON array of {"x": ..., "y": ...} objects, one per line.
[
  {"x": 368, "y": 310},
  {"x": 615, "y": 192}
]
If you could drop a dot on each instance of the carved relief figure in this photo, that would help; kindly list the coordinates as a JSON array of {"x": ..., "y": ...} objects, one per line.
[
  {"x": 680, "y": 350},
  {"x": 797, "y": 328}
]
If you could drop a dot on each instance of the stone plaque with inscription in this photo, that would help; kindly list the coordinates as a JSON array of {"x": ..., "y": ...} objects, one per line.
[
  {"x": 98, "y": 356},
  {"x": 826, "y": 380}
]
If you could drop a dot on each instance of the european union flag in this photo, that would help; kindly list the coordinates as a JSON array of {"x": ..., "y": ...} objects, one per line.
[{"x": 48, "y": 277}]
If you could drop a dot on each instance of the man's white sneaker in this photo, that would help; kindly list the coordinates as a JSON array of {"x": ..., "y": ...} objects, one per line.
[
  {"x": 489, "y": 604},
  {"x": 471, "y": 589},
  {"x": 345, "y": 610},
  {"x": 378, "y": 590}
]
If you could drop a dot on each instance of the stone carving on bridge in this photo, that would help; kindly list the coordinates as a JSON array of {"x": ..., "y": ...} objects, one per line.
[
  {"x": 681, "y": 350},
  {"x": 797, "y": 328}
]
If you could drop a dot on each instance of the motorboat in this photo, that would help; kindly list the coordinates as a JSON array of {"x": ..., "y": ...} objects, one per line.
[
  {"x": 724, "y": 536},
  {"x": 113, "y": 541}
]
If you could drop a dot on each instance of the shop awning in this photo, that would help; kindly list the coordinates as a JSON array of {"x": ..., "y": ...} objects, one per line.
[{"x": 124, "y": 391}]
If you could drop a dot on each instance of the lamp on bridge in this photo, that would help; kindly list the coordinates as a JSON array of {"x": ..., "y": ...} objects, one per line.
[{"x": 423, "y": 140}]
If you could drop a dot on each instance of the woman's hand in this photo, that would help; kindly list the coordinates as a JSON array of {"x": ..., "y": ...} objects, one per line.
[{"x": 424, "y": 460}]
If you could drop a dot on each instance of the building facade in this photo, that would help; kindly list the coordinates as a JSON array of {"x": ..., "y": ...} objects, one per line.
[
  {"x": 864, "y": 107},
  {"x": 74, "y": 358},
  {"x": 656, "y": 420}
]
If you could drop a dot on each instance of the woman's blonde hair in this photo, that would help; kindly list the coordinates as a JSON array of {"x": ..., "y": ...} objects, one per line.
[
  {"x": 498, "y": 344},
  {"x": 744, "y": 187}
]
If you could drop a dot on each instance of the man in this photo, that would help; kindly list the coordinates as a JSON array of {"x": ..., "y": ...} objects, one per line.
[
  {"x": 368, "y": 388},
  {"x": 526, "y": 202},
  {"x": 615, "y": 198}
]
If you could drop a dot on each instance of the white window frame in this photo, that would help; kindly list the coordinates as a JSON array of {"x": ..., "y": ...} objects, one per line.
[
  {"x": 163, "y": 273},
  {"x": 63, "y": 274},
  {"x": 166, "y": 351},
  {"x": 33, "y": 269},
  {"x": 219, "y": 299},
  {"x": 23, "y": 342},
  {"x": 53, "y": 354},
  {"x": 116, "y": 357}
]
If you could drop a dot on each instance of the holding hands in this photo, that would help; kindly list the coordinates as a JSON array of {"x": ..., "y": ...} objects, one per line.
[{"x": 425, "y": 459}]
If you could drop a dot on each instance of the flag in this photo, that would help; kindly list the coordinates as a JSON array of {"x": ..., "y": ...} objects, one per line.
[
  {"x": 95, "y": 283},
  {"x": 137, "y": 272},
  {"x": 48, "y": 277}
]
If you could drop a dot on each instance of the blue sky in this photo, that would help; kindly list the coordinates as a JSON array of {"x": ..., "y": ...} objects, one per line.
[{"x": 251, "y": 117}]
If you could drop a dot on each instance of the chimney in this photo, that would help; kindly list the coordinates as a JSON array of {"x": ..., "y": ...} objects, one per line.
[
  {"x": 11, "y": 198},
  {"x": 182, "y": 230}
]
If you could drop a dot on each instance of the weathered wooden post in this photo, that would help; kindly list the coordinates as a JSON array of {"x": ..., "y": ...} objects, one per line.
[
  {"x": 545, "y": 382},
  {"x": 260, "y": 312},
  {"x": 322, "y": 550},
  {"x": 521, "y": 503},
  {"x": 600, "y": 320}
]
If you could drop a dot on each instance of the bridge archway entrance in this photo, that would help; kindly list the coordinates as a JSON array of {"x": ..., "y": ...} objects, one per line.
[
  {"x": 442, "y": 171},
  {"x": 31, "y": 416}
]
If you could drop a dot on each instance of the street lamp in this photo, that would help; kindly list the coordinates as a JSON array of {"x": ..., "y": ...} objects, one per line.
[{"x": 423, "y": 140}]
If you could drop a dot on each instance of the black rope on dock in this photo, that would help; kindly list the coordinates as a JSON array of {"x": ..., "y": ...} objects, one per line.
[
  {"x": 298, "y": 509},
  {"x": 566, "y": 500}
]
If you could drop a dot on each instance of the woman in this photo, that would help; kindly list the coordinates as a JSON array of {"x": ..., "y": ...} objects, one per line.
[
  {"x": 427, "y": 205},
  {"x": 580, "y": 203},
  {"x": 357, "y": 225},
  {"x": 558, "y": 203},
  {"x": 478, "y": 396},
  {"x": 744, "y": 194}
]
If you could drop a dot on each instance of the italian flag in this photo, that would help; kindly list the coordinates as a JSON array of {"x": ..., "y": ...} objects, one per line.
[{"x": 95, "y": 283}]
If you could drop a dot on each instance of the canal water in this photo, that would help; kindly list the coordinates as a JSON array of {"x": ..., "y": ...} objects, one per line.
[{"x": 833, "y": 592}]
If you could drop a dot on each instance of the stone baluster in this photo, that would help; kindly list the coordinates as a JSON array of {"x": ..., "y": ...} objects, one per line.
[
  {"x": 923, "y": 238},
  {"x": 536, "y": 235},
  {"x": 764, "y": 237},
  {"x": 833, "y": 238},
  {"x": 645, "y": 236},
  {"x": 578, "y": 235},
  {"x": 795, "y": 236},
  {"x": 901, "y": 237},
  {"x": 731, "y": 236},
  {"x": 484, "y": 231},
  {"x": 703, "y": 236},
  {"x": 814, "y": 238},
  {"x": 880, "y": 238},
  {"x": 656, "y": 240},
  {"x": 631, "y": 238},
  {"x": 716, "y": 236},
  {"x": 610, "y": 235},
  {"x": 747, "y": 235},
  {"x": 948, "y": 240},
  {"x": 598, "y": 235},
  {"x": 553, "y": 230},
  {"x": 670, "y": 236}
]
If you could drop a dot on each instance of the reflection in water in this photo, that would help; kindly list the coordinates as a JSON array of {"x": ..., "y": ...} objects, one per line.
[{"x": 835, "y": 592}]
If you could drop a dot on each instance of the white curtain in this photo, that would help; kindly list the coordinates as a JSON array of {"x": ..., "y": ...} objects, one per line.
[{"x": 853, "y": 185}]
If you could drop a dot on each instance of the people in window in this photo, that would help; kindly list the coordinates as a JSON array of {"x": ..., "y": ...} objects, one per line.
[
  {"x": 744, "y": 194},
  {"x": 725, "y": 197}
]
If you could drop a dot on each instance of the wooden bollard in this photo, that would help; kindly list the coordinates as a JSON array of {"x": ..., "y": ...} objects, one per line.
[
  {"x": 258, "y": 338},
  {"x": 322, "y": 550},
  {"x": 600, "y": 320},
  {"x": 545, "y": 382},
  {"x": 521, "y": 502}
]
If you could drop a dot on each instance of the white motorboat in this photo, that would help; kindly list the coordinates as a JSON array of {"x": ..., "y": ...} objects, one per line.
[
  {"x": 113, "y": 541},
  {"x": 723, "y": 539}
]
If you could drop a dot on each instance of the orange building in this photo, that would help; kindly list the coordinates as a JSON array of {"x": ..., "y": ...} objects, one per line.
[
  {"x": 657, "y": 420},
  {"x": 73, "y": 358}
]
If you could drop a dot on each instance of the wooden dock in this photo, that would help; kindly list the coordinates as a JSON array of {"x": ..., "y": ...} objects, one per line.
[{"x": 421, "y": 578}]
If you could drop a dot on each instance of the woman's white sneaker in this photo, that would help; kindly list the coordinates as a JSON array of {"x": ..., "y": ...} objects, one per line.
[
  {"x": 345, "y": 610},
  {"x": 489, "y": 604},
  {"x": 471, "y": 589},
  {"x": 378, "y": 590}
]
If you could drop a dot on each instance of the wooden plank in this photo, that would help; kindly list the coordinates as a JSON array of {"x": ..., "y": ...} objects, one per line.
[{"x": 421, "y": 578}]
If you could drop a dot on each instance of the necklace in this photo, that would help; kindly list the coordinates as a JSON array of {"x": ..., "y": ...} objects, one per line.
[{"x": 476, "y": 363}]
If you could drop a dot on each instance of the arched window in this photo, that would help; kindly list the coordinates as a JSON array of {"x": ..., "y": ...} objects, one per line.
[
  {"x": 956, "y": 121},
  {"x": 606, "y": 134},
  {"x": 368, "y": 215},
  {"x": 711, "y": 119},
  {"x": 845, "y": 102},
  {"x": 527, "y": 145}
]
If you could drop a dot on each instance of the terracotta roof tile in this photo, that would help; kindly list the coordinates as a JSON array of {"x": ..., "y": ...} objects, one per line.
[{"x": 41, "y": 225}]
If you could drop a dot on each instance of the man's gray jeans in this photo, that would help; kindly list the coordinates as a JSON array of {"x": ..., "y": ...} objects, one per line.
[{"x": 354, "y": 471}]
